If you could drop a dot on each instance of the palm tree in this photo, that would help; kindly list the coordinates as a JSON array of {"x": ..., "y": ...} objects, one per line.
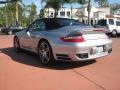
[
  {"x": 6, "y": 20},
  {"x": 17, "y": 5},
  {"x": 100, "y": 2},
  {"x": 89, "y": 11},
  {"x": 17, "y": 10},
  {"x": 55, "y": 4},
  {"x": 32, "y": 12}
]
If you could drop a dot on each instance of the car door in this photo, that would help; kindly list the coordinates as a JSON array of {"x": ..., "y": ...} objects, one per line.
[
  {"x": 33, "y": 33},
  {"x": 118, "y": 26},
  {"x": 111, "y": 24}
]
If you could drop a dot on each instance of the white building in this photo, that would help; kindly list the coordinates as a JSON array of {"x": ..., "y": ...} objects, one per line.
[
  {"x": 99, "y": 15},
  {"x": 95, "y": 14},
  {"x": 80, "y": 14},
  {"x": 62, "y": 13}
]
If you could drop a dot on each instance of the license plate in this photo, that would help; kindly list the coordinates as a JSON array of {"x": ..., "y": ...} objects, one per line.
[{"x": 100, "y": 49}]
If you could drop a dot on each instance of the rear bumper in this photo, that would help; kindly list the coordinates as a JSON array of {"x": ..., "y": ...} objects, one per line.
[{"x": 81, "y": 51}]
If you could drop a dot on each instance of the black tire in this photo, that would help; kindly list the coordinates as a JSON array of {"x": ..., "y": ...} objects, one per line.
[
  {"x": 114, "y": 33},
  {"x": 16, "y": 44},
  {"x": 45, "y": 53}
]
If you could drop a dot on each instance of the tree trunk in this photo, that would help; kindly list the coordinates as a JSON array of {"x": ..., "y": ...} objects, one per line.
[
  {"x": 12, "y": 18},
  {"x": 71, "y": 11},
  {"x": 82, "y": 13},
  {"x": 89, "y": 11},
  {"x": 6, "y": 18},
  {"x": 17, "y": 13}
]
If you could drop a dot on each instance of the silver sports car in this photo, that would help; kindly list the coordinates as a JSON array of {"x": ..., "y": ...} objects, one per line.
[{"x": 63, "y": 39}]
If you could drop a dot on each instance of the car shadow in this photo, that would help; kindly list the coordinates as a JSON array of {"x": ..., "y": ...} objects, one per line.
[{"x": 32, "y": 59}]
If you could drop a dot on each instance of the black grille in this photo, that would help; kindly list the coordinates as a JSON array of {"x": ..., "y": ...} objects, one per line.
[
  {"x": 83, "y": 55},
  {"x": 63, "y": 57}
]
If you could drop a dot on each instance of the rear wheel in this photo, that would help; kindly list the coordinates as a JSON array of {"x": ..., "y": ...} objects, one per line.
[
  {"x": 16, "y": 44},
  {"x": 45, "y": 53},
  {"x": 114, "y": 33}
]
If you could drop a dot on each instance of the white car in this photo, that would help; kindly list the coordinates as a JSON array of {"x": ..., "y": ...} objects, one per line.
[
  {"x": 110, "y": 26},
  {"x": 63, "y": 39}
]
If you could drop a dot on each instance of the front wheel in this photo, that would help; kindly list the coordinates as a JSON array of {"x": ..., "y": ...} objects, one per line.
[
  {"x": 45, "y": 53},
  {"x": 16, "y": 44},
  {"x": 114, "y": 33}
]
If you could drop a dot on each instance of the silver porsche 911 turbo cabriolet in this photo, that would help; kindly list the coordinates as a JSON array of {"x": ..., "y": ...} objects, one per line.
[{"x": 63, "y": 39}]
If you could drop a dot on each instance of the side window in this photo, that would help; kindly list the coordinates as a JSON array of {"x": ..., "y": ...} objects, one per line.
[
  {"x": 111, "y": 21},
  {"x": 52, "y": 24},
  {"x": 37, "y": 26},
  {"x": 117, "y": 23},
  {"x": 102, "y": 22}
]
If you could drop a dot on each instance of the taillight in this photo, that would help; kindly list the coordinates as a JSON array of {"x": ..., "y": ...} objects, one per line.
[{"x": 75, "y": 37}]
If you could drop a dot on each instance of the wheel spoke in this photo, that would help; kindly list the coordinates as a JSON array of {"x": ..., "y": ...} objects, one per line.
[
  {"x": 47, "y": 58},
  {"x": 41, "y": 51},
  {"x": 46, "y": 49},
  {"x": 44, "y": 58},
  {"x": 43, "y": 46}
]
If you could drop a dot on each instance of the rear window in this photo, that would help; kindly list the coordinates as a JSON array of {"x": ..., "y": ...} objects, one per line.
[
  {"x": 58, "y": 23},
  {"x": 111, "y": 21},
  {"x": 117, "y": 23},
  {"x": 102, "y": 22}
]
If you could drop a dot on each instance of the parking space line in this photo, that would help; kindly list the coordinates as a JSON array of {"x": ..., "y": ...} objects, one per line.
[{"x": 88, "y": 79}]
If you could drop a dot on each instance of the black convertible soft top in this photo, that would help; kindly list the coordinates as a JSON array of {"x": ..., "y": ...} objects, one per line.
[{"x": 54, "y": 23}]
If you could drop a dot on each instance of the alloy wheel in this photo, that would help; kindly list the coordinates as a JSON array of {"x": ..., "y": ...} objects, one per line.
[{"x": 44, "y": 52}]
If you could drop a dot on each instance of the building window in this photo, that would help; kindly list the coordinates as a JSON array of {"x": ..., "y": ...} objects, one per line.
[
  {"x": 111, "y": 21},
  {"x": 62, "y": 13},
  {"x": 68, "y": 14},
  {"x": 51, "y": 15}
]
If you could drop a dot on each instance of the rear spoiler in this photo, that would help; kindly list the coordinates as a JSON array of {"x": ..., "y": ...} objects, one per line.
[{"x": 92, "y": 31}]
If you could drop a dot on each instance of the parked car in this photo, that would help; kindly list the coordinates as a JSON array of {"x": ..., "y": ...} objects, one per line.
[
  {"x": 11, "y": 30},
  {"x": 0, "y": 29},
  {"x": 63, "y": 39},
  {"x": 110, "y": 26}
]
